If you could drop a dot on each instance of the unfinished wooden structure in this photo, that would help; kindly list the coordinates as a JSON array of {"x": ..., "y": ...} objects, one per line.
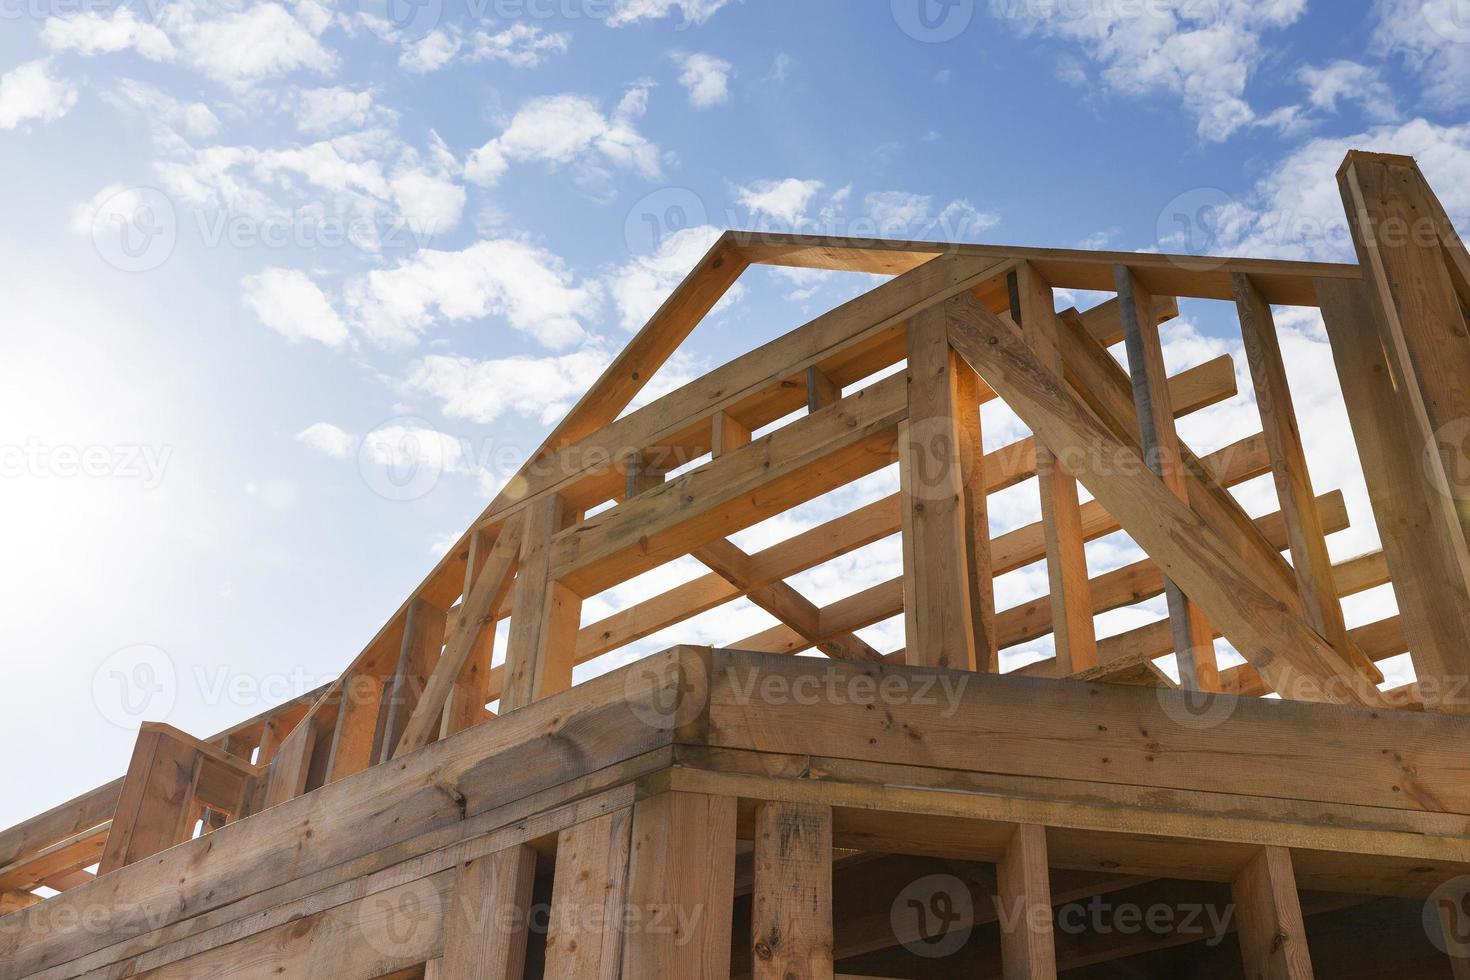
[{"x": 741, "y": 812}]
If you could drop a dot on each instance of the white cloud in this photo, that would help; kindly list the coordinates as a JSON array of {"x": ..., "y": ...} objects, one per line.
[
  {"x": 693, "y": 11},
  {"x": 1295, "y": 211},
  {"x": 1350, "y": 81},
  {"x": 166, "y": 114},
  {"x": 325, "y": 111},
  {"x": 899, "y": 214},
  {"x": 328, "y": 440},
  {"x": 93, "y": 33},
  {"x": 521, "y": 45},
  {"x": 640, "y": 287},
  {"x": 528, "y": 286},
  {"x": 570, "y": 130},
  {"x": 1433, "y": 38},
  {"x": 431, "y": 52},
  {"x": 431, "y": 203},
  {"x": 706, "y": 78},
  {"x": 784, "y": 200},
  {"x": 246, "y": 46},
  {"x": 539, "y": 388},
  {"x": 288, "y": 302},
  {"x": 30, "y": 91},
  {"x": 1205, "y": 52}
]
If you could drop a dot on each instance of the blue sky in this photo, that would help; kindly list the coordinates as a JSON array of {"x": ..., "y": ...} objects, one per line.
[{"x": 259, "y": 256}]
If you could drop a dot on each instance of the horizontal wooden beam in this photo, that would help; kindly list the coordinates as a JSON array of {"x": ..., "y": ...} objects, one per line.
[{"x": 1200, "y": 277}]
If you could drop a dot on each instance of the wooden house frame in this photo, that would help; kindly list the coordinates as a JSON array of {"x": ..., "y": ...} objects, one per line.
[{"x": 741, "y": 812}]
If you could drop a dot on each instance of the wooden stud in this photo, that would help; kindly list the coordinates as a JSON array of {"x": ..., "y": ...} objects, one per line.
[
  {"x": 156, "y": 802},
  {"x": 1066, "y": 557},
  {"x": 1423, "y": 328},
  {"x": 1429, "y": 561},
  {"x": 486, "y": 926},
  {"x": 939, "y": 615},
  {"x": 357, "y": 723},
  {"x": 1310, "y": 560},
  {"x": 543, "y": 630},
  {"x": 727, "y": 435},
  {"x": 791, "y": 917},
  {"x": 1273, "y": 940},
  {"x": 584, "y": 940},
  {"x": 1023, "y": 879},
  {"x": 681, "y": 889},
  {"x": 821, "y": 390},
  {"x": 1193, "y": 645},
  {"x": 476, "y": 616}
]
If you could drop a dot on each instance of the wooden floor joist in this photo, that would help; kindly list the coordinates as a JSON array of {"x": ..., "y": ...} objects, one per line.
[{"x": 741, "y": 811}]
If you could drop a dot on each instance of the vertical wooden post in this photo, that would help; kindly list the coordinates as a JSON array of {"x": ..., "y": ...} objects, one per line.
[
  {"x": 1304, "y": 532},
  {"x": 1061, "y": 515},
  {"x": 1396, "y": 231},
  {"x": 942, "y": 625},
  {"x": 357, "y": 723},
  {"x": 726, "y": 435},
  {"x": 681, "y": 891},
  {"x": 1428, "y": 558},
  {"x": 1268, "y": 914},
  {"x": 1194, "y": 643},
  {"x": 155, "y": 803},
  {"x": 589, "y": 899},
  {"x": 470, "y": 693},
  {"x": 423, "y": 640},
  {"x": 821, "y": 390},
  {"x": 791, "y": 912},
  {"x": 1023, "y": 882},
  {"x": 543, "y": 629},
  {"x": 485, "y": 927}
]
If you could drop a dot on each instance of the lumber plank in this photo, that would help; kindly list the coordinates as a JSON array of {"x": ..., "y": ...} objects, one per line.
[
  {"x": 681, "y": 890},
  {"x": 1430, "y": 563},
  {"x": 1310, "y": 560},
  {"x": 1423, "y": 327},
  {"x": 1066, "y": 559},
  {"x": 1225, "y": 582},
  {"x": 1194, "y": 646},
  {"x": 940, "y": 619},
  {"x": 584, "y": 940},
  {"x": 1207, "y": 277},
  {"x": 791, "y": 916},
  {"x": 485, "y": 928},
  {"x": 475, "y": 616},
  {"x": 539, "y": 652},
  {"x": 1273, "y": 938},
  {"x": 154, "y": 804},
  {"x": 1028, "y": 951},
  {"x": 1126, "y": 735}
]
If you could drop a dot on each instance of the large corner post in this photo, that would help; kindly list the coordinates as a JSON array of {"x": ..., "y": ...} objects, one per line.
[{"x": 1403, "y": 357}]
